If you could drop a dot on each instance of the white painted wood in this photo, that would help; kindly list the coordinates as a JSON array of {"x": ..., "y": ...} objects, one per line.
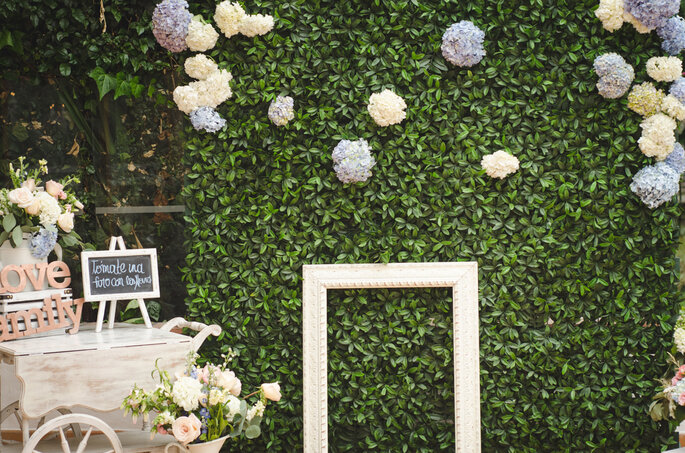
[
  {"x": 203, "y": 330},
  {"x": 59, "y": 423},
  {"x": 462, "y": 277},
  {"x": 131, "y": 442}
]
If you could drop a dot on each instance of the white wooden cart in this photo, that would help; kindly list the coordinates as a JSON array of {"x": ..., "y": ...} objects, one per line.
[{"x": 95, "y": 370}]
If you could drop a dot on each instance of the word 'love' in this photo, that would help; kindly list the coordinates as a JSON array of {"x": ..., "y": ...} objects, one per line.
[{"x": 52, "y": 271}]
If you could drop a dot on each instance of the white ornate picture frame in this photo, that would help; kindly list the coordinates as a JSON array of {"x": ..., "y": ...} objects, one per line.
[{"x": 461, "y": 277}]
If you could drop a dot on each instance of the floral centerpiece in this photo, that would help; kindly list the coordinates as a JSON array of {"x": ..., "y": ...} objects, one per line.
[
  {"x": 201, "y": 405},
  {"x": 44, "y": 211},
  {"x": 670, "y": 402}
]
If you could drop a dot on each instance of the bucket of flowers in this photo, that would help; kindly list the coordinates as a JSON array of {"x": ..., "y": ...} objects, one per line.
[
  {"x": 202, "y": 407},
  {"x": 38, "y": 216}
]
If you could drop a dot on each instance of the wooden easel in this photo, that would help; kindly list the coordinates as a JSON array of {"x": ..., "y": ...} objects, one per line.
[{"x": 113, "y": 242}]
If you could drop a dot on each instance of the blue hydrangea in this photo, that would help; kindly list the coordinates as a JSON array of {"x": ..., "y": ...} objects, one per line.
[
  {"x": 676, "y": 160},
  {"x": 652, "y": 13},
  {"x": 281, "y": 110},
  {"x": 656, "y": 184},
  {"x": 353, "y": 161},
  {"x": 170, "y": 21},
  {"x": 207, "y": 118},
  {"x": 42, "y": 243},
  {"x": 673, "y": 35},
  {"x": 462, "y": 44},
  {"x": 615, "y": 75},
  {"x": 678, "y": 89}
]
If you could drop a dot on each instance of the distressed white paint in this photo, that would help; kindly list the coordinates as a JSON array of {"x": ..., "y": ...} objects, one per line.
[{"x": 461, "y": 277}]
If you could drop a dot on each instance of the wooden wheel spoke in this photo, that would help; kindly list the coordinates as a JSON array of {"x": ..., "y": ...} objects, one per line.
[
  {"x": 65, "y": 444},
  {"x": 82, "y": 446}
]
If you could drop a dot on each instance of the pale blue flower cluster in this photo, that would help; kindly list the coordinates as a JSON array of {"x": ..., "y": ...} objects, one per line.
[
  {"x": 673, "y": 35},
  {"x": 42, "y": 243},
  {"x": 281, "y": 110},
  {"x": 207, "y": 118},
  {"x": 676, "y": 160},
  {"x": 678, "y": 89},
  {"x": 652, "y": 13},
  {"x": 462, "y": 44},
  {"x": 615, "y": 75},
  {"x": 656, "y": 184},
  {"x": 170, "y": 21},
  {"x": 353, "y": 161}
]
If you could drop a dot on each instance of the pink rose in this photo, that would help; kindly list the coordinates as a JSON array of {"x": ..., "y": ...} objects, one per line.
[
  {"x": 681, "y": 399},
  {"x": 34, "y": 208},
  {"x": 53, "y": 188},
  {"x": 22, "y": 197},
  {"x": 681, "y": 370},
  {"x": 186, "y": 429},
  {"x": 203, "y": 375},
  {"x": 161, "y": 430},
  {"x": 66, "y": 221},
  {"x": 29, "y": 184},
  {"x": 272, "y": 391}
]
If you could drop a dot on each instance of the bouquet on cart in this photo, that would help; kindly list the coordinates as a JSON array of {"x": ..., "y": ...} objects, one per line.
[
  {"x": 42, "y": 214},
  {"x": 202, "y": 404},
  {"x": 670, "y": 402}
]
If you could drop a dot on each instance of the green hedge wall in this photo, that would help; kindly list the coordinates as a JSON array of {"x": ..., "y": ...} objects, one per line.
[{"x": 577, "y": 294}]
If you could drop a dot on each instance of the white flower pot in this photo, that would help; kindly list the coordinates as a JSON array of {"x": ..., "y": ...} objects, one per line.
[{"x": 213, "y": 446}]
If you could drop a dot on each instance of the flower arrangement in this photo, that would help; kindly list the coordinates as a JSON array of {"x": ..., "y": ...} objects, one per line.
[
  {"x": 670, "y": 402},
  {"x": 45, "y": 211},
  {"x": 170, "y": 21},
  {"x": 201, "y": 405},
  {"x": 281, "y": 110},
  {"x": 353, "y": 161},
  {"x": 615, "y": 75},
  {"x": 499, "y": 164},
  {"x": 462, "y": 44},
  {"x": 673, "y": 35},
  {"x": 386, "y": 108},
  {"x": 664, "y": 69}
]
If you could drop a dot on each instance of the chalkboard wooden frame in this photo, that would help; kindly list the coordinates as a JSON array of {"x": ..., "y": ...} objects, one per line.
[{"x": 87, "y": 256}]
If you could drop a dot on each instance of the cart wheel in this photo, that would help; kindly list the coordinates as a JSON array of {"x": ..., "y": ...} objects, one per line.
[{"x": 111, "y": 444}]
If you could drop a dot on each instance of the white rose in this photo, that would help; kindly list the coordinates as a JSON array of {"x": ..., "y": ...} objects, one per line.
[
  {"x": 230, "y": 382},
  {"x": 272, "y": 391},
  {"x": 29, "y": 184},
  {"x": 22, "y": 197},
  {"x": 66, "y": 221}
]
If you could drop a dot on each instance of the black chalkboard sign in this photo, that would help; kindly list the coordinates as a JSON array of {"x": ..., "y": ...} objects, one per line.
[{"x": 120, "y": 274}]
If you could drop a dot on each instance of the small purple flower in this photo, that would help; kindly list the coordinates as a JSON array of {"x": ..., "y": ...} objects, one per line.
[
  {"x": 353, "y": 161},
  {"x": 204, "y": 413},
  {"x": 207, "y": 118},
  {"x": 42, "y": 243},
  {"x": 652, "y": 13},
  {"x": 462, "y": 44},
  {"x": 673, "y": 35},
  {"x": 656, "y": 184},
  {"x": 170, "y": 21},
  {"x": 676, "y": 160}
]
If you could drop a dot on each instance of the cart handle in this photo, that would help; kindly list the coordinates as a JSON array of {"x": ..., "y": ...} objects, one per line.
[{"x": 203, "y": 329}]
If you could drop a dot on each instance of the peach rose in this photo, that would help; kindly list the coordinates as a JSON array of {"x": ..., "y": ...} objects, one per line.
[
  {"x": 230, "y": 382},
  {"x": 186, "y": 429},
  {"x": 22, "y": 197},
  {"x": 53, "y": 188},
  {"x": 29, "y": 184},
  {"x": 34, "y": 208},
  {"x": 66, "y": 221},
  {"x": 272, "y": 391}
]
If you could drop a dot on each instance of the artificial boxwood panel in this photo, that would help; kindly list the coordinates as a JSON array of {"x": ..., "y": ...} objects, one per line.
[{"x": 577, "y": 294}]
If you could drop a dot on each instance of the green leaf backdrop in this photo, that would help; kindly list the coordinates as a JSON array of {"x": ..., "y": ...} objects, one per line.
[{"x": 577, "y": 277}]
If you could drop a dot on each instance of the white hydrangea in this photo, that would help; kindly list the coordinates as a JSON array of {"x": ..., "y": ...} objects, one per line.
[
  {"x": 387, "y": 108},
  {"x": 672, "y": 107},
  {"x": 200, "y": 66},
  {"x": 639, "y": 26},
  {"x": 186, "y": 98},
  {"x": 256, "y": 25},
  {"x": 49, "y": 209},
  {"x": 233, "y": 404},
  {"x": 186, "y": 393},
  {"x": 610, "y": 12},
  {"x": 228, "y": 16},
  {"x": 679, "y": 339},
  {"x": 499, "y": 164},
  {"x": 665, "y": 69},
  {"x": 658, "y": 137},
  {"x": 201, "y": 37},
  {"x": 214, "y": 90}
]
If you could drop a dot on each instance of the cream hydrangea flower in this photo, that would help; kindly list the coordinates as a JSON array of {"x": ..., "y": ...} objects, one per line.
[
  {"x": 499, "y": 164},
  {"x": 228, "y": 17},
  {"x": 664, "y": 69},
  {"x": 672, "y": 107},
  {"x": 610, "y": 12},
  {"x": 387, "y": 108},
  {"x": 255, "y": 25},
  {"x": 679, "y": 339},
  {"x": 645, "y": 99},
  {"x": 658, "y": 137},
  {"x": 201, "y": 37},
  {"x": 186, "y": 393},
  {"x": 200, "y": 67},
  {"x": 186, "y": 98},
  {"x": 49, "y": 209},
  {"x": 214, "y": 90}
]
